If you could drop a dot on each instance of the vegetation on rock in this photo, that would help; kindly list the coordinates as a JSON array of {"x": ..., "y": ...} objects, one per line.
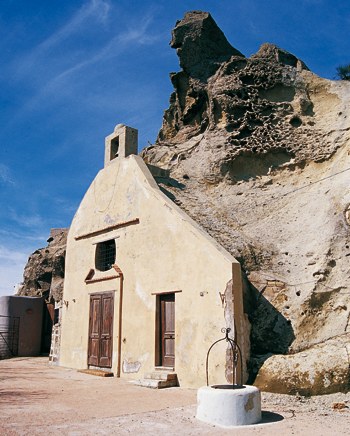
[{"x": 343, "y": 72}]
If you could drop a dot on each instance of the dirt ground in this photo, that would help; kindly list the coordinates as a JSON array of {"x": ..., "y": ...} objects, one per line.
[{"x": 36, "y": 399}]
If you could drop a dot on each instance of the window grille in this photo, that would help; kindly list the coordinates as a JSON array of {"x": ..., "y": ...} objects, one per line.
[{"x": 105, "y": 255}]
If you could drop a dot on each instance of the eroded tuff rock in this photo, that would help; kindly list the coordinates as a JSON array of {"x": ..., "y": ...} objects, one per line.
[
  {"x": 44, "y": 272},
  {"x": 321, "y": 369},
  {"x": 258, "y": 153},
  {"x": 201, "y": 45}
]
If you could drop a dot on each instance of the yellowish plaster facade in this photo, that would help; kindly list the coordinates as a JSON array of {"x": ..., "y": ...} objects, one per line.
[{"x": 159, "y": 250}]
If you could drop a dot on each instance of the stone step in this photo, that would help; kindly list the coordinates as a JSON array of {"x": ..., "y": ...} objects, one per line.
[
  {"x": 156, "y": 384},
  {"x": 164, "y": 368},
  {"x": 167, "y": 376}
]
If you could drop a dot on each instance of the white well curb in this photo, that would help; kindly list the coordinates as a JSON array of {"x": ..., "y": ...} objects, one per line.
[{"x": 229, "y": 407}]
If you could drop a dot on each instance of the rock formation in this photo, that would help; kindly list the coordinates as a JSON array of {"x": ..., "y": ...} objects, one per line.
[
  {"x": 258, "y": 154},
  {"x": 200, "y": 45},
  {"x": 44, "y": 272}
]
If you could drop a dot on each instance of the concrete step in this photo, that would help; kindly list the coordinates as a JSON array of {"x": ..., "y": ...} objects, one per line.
[
  {"x": 164, "y": 368},
  {"x": 158, "y": 380},
  {"x": 167, "y": 376},
  {"x": 156, "y": 384}
]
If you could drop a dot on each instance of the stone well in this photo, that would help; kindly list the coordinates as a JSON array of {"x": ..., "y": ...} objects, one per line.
[{"x": 229, "y": 406}]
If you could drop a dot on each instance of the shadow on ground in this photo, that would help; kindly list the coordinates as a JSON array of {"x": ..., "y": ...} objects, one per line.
[{"x": 270, "y": 417}]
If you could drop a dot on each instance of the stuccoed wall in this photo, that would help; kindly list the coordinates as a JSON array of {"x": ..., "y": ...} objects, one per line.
[
  {"x": 30, "y": 313},
  {"x": 166, "y": 251}
]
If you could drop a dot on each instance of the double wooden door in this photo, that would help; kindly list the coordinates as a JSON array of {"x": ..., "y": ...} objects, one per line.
[
  {"x": 101, "y": 329},
  {"x": 167, "y": 330}
]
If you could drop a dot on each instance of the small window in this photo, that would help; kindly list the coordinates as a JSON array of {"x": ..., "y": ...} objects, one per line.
[{"x": 105, "y": 255}]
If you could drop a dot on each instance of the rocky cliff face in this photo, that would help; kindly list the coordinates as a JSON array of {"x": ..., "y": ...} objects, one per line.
[
  {"x": 44, "y": 272},
  {"x": 258, "y": 153}
]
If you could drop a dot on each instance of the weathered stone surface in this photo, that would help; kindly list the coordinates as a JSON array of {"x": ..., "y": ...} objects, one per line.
[
  {"x": 258, "y": 155},
  {"x": 44, "y": 272},
  {"x": 321, "y": 369},
  {"x": 200, "y": 45}
]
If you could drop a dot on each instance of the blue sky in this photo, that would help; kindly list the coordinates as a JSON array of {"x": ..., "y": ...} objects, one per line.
[{"x": 72, "y": 70}]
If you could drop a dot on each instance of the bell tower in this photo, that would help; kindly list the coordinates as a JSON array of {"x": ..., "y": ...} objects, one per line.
[{"x": 121, "y": 143}]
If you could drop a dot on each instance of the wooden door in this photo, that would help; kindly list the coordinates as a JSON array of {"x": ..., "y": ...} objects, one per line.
[
  {"x": 101, "y": 330},
  {"x": 167, "y": 329}
]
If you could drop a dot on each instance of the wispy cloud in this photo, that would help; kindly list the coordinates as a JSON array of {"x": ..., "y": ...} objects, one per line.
[
  {"x": 29, "y": 221},
  {"x": 12, "y": 263},
  {"x": 9, "y": 256},
  {"x": 5, "y": 175},
  {"x": 12, "y": 235},
  {"x": 96, "y": 11},
  {"x": 64, "y": 80},
  {"x": 112, "y": 49}
]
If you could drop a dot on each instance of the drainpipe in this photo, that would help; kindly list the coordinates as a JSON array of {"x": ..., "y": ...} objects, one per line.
[{"x": 120, "y": 323}]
